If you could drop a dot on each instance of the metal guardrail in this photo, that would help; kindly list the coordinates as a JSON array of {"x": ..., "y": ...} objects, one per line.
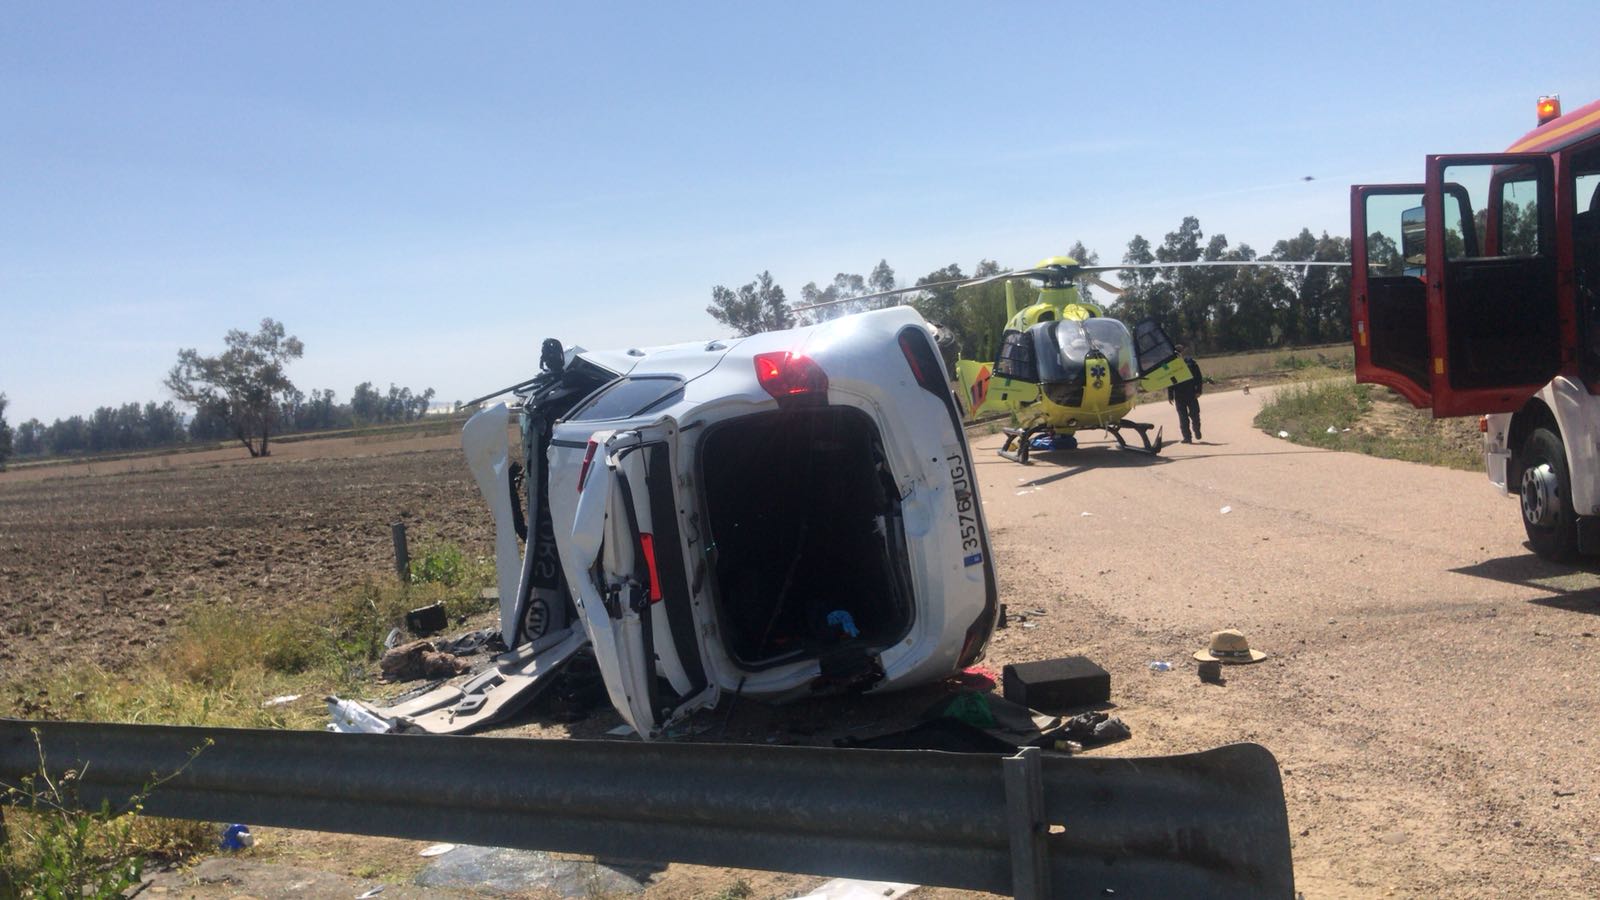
[{"x": 1210, "y": 824}]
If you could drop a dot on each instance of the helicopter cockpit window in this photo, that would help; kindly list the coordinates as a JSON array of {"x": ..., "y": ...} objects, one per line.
[
  {"x": 1017, "y": 358},
  {"x": 1064, "y": 346}
]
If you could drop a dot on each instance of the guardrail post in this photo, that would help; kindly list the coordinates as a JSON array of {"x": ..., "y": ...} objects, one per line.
[
  {"x": 402, "y": 557},
  {"x": 1030, "y": 854},
  {"x": 6, "y": 889}
]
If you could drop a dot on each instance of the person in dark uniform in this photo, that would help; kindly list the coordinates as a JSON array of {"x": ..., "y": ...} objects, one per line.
[{"x": 1186, "y": 396}]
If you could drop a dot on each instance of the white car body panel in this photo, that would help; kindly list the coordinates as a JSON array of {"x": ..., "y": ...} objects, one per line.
[{"x": 483, "y": 439}]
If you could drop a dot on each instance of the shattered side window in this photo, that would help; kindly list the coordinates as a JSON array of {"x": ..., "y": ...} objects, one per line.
[{"x": 628, "y": 397}]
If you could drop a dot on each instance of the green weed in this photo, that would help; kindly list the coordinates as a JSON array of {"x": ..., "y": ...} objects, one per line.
[
  {"x": 739, "y": 890},
  {"x": 1333, "y": 412},
  {"x": 58, "y": 849}
]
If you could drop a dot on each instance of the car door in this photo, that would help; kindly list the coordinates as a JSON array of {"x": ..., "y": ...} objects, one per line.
[
  {"x": 628, "y": 568},
  {"x": 1160, "y": 366}
]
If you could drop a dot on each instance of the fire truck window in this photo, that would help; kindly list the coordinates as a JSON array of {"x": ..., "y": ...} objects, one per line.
[
  {"x": 1519, "y": 218},
  {"x": 1502, "y": 325},
  {"x": 1586, "y": 255},
  {"x": 1385, "y": 233}
]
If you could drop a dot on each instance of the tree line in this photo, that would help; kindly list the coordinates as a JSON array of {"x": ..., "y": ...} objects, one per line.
[
  {"x": 1211, "y": 309},
  {"x": 132, "y": 426},
  {"x": 241, "y": 393}
]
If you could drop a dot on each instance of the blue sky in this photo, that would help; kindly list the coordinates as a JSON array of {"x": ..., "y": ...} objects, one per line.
[{"x": 422, "y": 192}]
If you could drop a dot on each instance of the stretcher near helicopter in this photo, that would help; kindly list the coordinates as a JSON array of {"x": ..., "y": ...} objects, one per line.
[{"x": 1065, "y": 366}]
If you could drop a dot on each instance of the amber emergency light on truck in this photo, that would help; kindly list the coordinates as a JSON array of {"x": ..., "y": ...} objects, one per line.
[{"x": 1477, "y": 292}]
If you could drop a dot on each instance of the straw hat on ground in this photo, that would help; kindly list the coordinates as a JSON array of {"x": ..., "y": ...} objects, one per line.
[{"x": 1229, "y": 646}]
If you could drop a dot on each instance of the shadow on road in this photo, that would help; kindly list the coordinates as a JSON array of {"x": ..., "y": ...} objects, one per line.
[
  {"x": 1572, "y": 587},
  {"x": 1071, "y": 462}
]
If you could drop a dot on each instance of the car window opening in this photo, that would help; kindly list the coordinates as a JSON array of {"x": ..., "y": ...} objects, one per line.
[{"x": 809, "y": 550}]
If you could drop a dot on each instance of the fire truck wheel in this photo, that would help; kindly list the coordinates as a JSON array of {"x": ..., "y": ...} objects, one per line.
[{"x": 1547, "y": 512}]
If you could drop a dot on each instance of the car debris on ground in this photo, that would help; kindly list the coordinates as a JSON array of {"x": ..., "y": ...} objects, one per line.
[
  {"x": 420, "y": 659},
  {"x": 1057, "y": 685},
  {"x": 976, "y": 722}
]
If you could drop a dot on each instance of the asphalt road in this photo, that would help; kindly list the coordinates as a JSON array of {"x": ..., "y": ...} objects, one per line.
[{"x": 1431, "y": 693}]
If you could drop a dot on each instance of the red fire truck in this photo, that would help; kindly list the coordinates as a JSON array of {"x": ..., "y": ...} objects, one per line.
[{"x": 1477, "y": 292}]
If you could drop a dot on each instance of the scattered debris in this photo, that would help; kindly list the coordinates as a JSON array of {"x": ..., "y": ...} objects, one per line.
[
  {"x": 368, "y": 895},
  {"x": 1332, "y": 429},
  {"x": 1056, "y": 685},
  {"x": 846, "y": 623},
  {"x": 472, "y": 642},
  {"x": 1097, "y": 728},
  {"x": 1159, "y": 665},
  {"x": 1231, "y": 647},
  {"x": 420, "y": 659},
  {"x": 516, "y": 678},
  {"x": 392, "y": 639},
  {"x": 970, "y": 722},
  {"x": 237, "y": 837},
  {"x": 976, "y": 678},
  {"x": 352, "y": 717},
  {"x": 499, "y": 871},
  {"x": 1225, "y": 510},
  {"x": 284, "y": 700},
  {"x": 427, "y": 619},
  {"x": 853, "y": 889},
  {"x": 1283, "y": 434},
  {"x": 436, "y": 850}
]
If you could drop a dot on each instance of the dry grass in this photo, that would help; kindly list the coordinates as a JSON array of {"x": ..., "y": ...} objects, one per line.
[{"x": 1325, "y": 409}]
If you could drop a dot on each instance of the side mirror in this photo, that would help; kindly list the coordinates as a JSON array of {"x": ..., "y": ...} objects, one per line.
[{"x": 552, "y": 356}]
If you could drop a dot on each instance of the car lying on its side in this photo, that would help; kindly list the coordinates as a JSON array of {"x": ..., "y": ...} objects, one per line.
[{"x": 772, "y": 516}]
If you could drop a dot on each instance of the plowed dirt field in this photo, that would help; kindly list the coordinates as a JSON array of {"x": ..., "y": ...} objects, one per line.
[{"x": 95, "y": 566}]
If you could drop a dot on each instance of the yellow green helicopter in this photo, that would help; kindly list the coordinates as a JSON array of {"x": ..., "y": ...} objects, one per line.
[{"x": 1064, "y": 365}]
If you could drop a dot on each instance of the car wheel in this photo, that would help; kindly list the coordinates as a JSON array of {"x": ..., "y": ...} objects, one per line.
[{"x": 1547, "y": 512}]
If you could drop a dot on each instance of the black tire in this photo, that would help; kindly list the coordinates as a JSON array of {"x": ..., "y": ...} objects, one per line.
[{"x": 1554, "y": 534}]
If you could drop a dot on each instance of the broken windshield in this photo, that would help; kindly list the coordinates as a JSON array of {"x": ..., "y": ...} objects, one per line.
[{"x": 1063, "y": 345}]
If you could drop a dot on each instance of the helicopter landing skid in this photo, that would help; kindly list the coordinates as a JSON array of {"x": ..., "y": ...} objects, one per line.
[
  {"x": 1143, "y": 429},
  {"x": 1023, "y": 440}
]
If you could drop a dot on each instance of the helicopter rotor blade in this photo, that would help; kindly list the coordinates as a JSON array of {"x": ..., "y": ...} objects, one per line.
[
  {"x": 1235, "y": 263},
  {"x": 1099, "y": 282},
  {"x": 958, "y": 282},
  {"x": 954, "y": 282}
]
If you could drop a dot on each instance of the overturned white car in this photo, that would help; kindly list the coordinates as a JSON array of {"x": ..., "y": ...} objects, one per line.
[{"x": 773, "y": 516}]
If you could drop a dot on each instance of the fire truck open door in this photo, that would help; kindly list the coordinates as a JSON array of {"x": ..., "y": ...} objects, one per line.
[
  {"x": 1388, "y": 297},
  {"x": 1496, "y": 326}
]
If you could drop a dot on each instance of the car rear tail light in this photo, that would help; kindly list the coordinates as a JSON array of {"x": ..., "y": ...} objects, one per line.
[
  {"x": 588, "y": 459},
  {"x": 1483, "y": 424},
  {"x": 647, "y": 542},
  {"x": 923, "y": 361},
  {"x": 789, "y": 376}
]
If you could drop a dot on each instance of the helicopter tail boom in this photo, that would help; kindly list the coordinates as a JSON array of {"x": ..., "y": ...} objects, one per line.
[{"x": 984, "y": 392}]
